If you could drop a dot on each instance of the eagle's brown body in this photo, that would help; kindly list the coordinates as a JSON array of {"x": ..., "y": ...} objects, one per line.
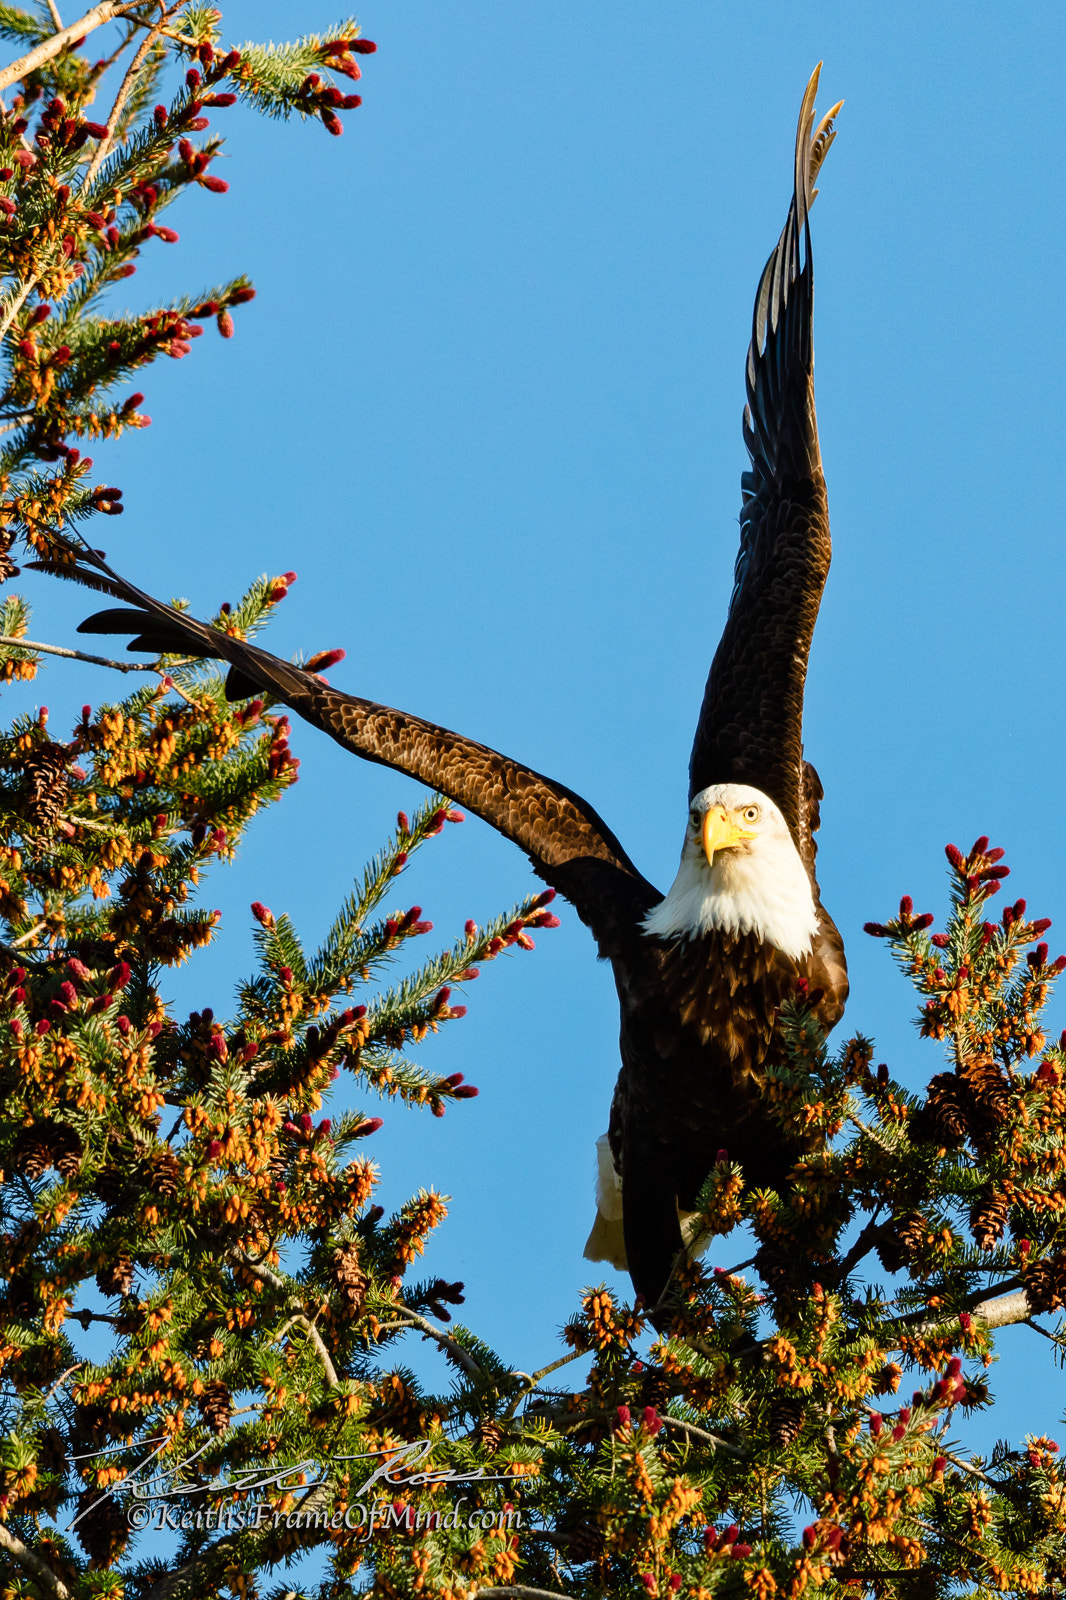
[{"x": 698, "y": 1014}]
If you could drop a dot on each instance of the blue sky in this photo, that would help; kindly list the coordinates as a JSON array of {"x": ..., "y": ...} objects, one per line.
[{"x": 487, "y": 403}]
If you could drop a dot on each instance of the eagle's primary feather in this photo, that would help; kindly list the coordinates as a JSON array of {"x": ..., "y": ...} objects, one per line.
[{"x": 703, "y": 971}]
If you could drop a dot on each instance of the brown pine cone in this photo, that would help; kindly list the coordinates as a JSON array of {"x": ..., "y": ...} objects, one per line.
[
  {"x": 41, "y": 1364},
  {"x": 51, "y": 1451},
  {"x": 584, "y": 1543},
  {"x": 787, "y": 1414},
  {"x": 216, "y": 1405},
  {"x": 112, "y": 1185},
  {"x": 20, "y": 1301},
  {"x": 102, "y": 1528},
  {"x": 912, "y": 1232},
  {"x": 489, "y": 1433},
  {"x": 988, "y": 1219},
  {"x": 117, "y": 1276},
  {"x": 775, "y": 1269},
  {"x": 349, "y": 1278},
  {"x": 47, "y": 1144},
  {"x": 165, "y": 1174},
  {"x": 1045, "y": 1283},
  {"x": 944, "y": 1119},
  {"x": 900, "y": 1240},
  {"x": 45, "y": 783},
  {"x": 31, "y": 1154}
]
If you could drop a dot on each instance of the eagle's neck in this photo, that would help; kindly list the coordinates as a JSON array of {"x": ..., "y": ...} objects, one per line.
[{"x": 765, "y": 891}]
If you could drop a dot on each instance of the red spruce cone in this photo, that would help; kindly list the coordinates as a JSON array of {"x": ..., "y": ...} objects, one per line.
[
  {"x": 787, "y": 1413},
  {"x": 988, "y": 1219},
  {"x": 216, "y": 1405},
  {"x": 117, "y": 1276}
]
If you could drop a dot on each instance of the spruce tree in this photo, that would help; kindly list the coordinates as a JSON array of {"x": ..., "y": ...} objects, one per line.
[{"x": 250, "y": 1398}]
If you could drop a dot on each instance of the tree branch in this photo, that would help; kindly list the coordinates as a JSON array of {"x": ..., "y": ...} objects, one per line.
[
  {"x": 707, "y": 1438},
  {"x": 298, "y": 1315},
  {"x": 78, "y": 655},
  {"x": 33, "y": 1563},
  {"x": 520, "y": 1592},
  {"x": 413, "y": 1320},
  {"x": 1006, "y": 1309},
  {"x": 49, "y": 48},
  {"x": 123, "y": 95}
]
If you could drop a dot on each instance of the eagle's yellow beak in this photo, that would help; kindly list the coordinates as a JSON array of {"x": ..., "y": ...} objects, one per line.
[{"x": 722, "y": 831}]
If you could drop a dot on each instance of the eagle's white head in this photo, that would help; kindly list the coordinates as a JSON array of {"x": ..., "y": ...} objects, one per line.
[{"x": 740, "y": 873}]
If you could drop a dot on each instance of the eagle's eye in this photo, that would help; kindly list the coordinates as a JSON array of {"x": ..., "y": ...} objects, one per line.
[
  {"x": 751, "y": 814},
  {"x": 695, "y": 820}
]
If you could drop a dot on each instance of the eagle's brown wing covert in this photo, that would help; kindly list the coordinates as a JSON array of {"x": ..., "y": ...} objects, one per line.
[{"x": 570, "y": 846}]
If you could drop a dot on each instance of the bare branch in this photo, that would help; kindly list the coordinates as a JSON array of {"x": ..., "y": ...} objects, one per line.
[
  {"x": 79, "y": 655},
  {"x": 50, "y": 48},
  {"x": 519, "y": 1591},
  {"x": 61, "y": 1380},
  {"x": 532, "y": 1380},
  {"x": 16, "y": 304},
  {"x": 298, "y": 1317},
  {"x": 33, "y": 1563},
  {"x": 707, "y": 1438},
  {"x": 1006, "y": 1309},
  {"x": 319, "y": 1343},
  {"x": 413, "y": 1320},
  {"x": 999, "y": 1312},
  {"x": 56, "y": 18}
]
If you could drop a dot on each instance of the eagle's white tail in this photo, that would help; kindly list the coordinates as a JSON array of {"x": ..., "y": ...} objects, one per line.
[{"x": 606, "y": 1241}]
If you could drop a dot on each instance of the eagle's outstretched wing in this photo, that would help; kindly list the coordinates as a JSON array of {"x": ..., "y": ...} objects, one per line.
[
  {"x": 751, "y": 721},
  {"x": 568, "y": 843}
]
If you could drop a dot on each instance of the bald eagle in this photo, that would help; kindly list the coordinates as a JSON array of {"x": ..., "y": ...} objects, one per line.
[{"x": 703, "y": 971}]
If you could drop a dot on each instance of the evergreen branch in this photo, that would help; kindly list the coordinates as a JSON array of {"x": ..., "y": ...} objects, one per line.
[
  {"x": 189, "y": 1577},
  {"x": 80, "y": 655},
  {"x": 124, "y": 92},
  {"x": 33, "y": 1563},
  {"x": 49, "y": 48},
  {"x": 18, "y": 24},
  {"x": 274, "y": 78}
]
